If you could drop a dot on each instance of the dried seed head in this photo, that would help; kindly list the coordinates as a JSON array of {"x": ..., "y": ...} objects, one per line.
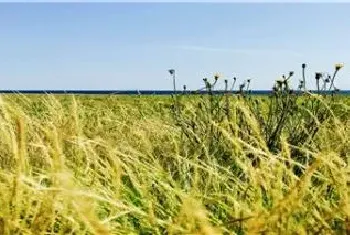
[
  {"x": 318, "y": 75},
  {"x": 216, "y": 76},
  {"x": 338, "y": 66},
  {"x": 171, "y": 71},
  {"x": 303, "y": 65},
  {"x": 291, "y": 73}
]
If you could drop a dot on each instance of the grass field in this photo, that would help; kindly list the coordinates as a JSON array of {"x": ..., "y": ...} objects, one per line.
[{"x": 197, "y": 165}]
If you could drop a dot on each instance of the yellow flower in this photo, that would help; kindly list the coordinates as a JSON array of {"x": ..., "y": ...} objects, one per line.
[
  {"x": 338, "y": 66},
  {"x": 217, "y": 76}
]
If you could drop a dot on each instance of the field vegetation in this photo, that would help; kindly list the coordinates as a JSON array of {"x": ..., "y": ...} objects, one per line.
[{"x": 215, "y": 163}]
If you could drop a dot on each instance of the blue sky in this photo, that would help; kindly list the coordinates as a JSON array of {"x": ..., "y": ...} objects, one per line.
[{"x": 131, "y": 45}]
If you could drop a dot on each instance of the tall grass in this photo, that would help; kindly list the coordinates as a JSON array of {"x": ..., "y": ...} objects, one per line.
[
  {"x": 125, "y": 165},
  {"x": 205, "y": 164}
]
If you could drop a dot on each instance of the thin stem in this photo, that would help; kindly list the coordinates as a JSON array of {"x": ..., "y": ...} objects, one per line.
[
  {"x": 233, "y": 84},
  {"x": 175, "y": 96},
  {"x": 248, "y": 86},
  {"x": 174, "y": 83},
  {"x": 332, "y": 81},
  {"x": 213, "y": 85},
  {"x": 227, "y": 100},
  {"x": 304, "y": 79},
  {"x": 324, "y": 85}
]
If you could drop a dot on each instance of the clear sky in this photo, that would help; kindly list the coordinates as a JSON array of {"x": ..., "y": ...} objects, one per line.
[{"x": 131, "y": 45}]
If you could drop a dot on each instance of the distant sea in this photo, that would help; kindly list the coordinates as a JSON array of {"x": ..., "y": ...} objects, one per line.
[{"x": 131, "y": 92}]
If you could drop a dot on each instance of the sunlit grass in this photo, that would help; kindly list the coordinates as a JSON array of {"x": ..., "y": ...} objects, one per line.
[{"x": 122, "y": 165}]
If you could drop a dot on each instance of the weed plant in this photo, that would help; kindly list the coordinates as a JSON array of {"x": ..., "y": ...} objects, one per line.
[{"x": 218, "y": 162}]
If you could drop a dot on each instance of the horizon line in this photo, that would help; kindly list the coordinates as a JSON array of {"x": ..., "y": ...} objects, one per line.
[{"x": 140, "y": 92}]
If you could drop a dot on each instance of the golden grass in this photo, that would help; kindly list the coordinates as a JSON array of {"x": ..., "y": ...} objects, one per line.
[{"x": 117, "y": 165}]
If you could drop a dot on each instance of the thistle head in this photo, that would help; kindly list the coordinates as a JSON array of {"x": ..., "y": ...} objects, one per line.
[
  {"x": 234, "y": 78},
  {"x": 171, "y": 71},
  {"x": 318, "y": 75},
  {"x": 216, "y": 76},
  {"x": 303, "y": 65},
  {"x": 338, "y": 66},
  {"x": 291, "y": 73},
  {"x": 184, "y": 87}
]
